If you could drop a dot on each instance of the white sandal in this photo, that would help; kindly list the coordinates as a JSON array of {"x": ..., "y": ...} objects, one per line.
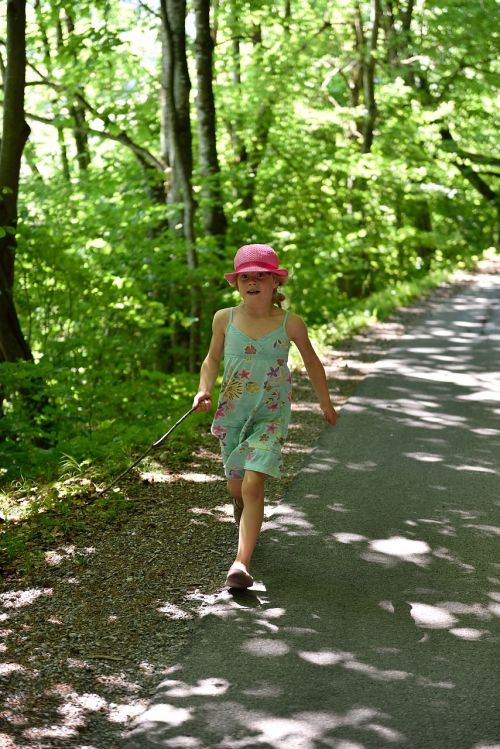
[{"x": 238, "y": 578}]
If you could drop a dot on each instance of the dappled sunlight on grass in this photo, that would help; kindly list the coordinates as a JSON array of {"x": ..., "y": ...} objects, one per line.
[
  {"x": 16, "y": 599},
  {"x": 200, "y": 477},
  {"x": 172, "y": 611},
  {"x": 73, "y": 710},
  {"x": 156, "y": 477},
  {"x": 56, "y": 556}
]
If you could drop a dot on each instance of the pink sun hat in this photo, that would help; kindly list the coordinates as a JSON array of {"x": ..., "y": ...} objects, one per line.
[{"x": 255, "y": 258}]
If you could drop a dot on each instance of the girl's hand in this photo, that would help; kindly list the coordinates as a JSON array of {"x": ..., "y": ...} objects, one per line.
[
  {"x": 202, "y": 401},
  {"x": 330, "y": 414}
]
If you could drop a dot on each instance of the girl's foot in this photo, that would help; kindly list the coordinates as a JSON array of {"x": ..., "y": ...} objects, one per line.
[
  {"x": 238, "y": 577},
  {"x": 237, "y": 511}
]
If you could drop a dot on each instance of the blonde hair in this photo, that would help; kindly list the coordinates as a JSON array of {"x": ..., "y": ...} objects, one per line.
[{"x": 278, "y": 296}]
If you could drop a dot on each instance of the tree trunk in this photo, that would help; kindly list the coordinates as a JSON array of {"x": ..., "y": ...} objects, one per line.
[
  {"x": 369, "y": 79},
  {"x": 176, "y": 86},
  {"x": 239, "y": 146},
  {"x": 364, "y": 73},
  {"x": 214, "y": 219},
  {"x": 175, "y": 90},
  {"x": 423, "y": 223},
  {"x": 264, "y": 121},
  {"x": 48, "y": 64},
  {"x": 287, "y": 16},
  {"x": 77, "y": 112},
  {"x": 14, "y": 135}
]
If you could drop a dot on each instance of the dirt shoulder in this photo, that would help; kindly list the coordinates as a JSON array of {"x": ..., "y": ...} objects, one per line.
[{"x": 93, "y": 629}]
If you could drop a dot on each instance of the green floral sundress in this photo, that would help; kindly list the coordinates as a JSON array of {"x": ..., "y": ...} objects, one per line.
[{"x": 253, "y": 412}]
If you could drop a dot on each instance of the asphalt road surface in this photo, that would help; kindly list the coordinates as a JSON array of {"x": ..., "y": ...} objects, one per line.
[{"x": 374, "y": 620}]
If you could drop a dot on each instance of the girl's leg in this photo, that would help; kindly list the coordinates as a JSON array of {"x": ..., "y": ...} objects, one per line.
[
  {"x": 234, "y": 489},
  {"x": 252, "y": 491}
]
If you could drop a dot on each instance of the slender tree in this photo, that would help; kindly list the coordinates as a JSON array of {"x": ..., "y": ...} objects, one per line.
[
  {"x": 176, "y": 87},
  {"x": 214, "y": 219},
  {"x": 15, "y": 131},
  {"x": 47, "y": 56},
  {"x": 77, "y": 107}
]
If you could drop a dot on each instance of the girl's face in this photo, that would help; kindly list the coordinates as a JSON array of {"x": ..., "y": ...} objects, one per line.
[{"x": 255, "y": 285}]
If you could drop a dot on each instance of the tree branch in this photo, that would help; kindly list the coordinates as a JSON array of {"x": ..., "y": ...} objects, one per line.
[
  {"x": 149, "y": 10},
  {"x": 145, "y": 156},
  {"x": 467, "y": 171},
  {"x": 453, "y": 147}
]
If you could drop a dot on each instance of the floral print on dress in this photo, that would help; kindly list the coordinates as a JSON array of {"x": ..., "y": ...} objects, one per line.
[
  {"x": 219, "y": 432},
  {"x": 253, "y": 412},
  {"x": 232, "y": 390}
]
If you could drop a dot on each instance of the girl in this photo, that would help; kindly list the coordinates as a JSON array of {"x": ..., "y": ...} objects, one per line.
[{"x": 254, "y": 406}]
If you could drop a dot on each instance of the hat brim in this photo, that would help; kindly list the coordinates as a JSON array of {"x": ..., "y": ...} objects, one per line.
[{"x": 281, "y": 272}]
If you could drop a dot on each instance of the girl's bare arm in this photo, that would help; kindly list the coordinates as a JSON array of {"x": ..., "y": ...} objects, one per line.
[
  {"x": 210, "y": 366},
  {"x": 297, "y": 332}
]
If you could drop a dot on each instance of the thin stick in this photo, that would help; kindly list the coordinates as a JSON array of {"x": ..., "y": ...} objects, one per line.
[{"x": 151, "y": 447}]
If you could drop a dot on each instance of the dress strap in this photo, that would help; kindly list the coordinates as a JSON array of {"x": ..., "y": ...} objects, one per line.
[
  {"x": 230, "y": 317},
  {"x": 285, "y": 318}
]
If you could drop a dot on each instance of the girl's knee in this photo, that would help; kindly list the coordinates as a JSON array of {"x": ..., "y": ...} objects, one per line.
[
  {"x": 254, "y": 477},
  {"x": 253, "y": 484}
]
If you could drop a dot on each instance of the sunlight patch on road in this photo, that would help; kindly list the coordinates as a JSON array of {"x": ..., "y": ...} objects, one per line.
[
  {"x": 424, "y": 457},
  {"x": 432, "y": 617},
  {"x": 348, "y": 538},
  {"x": 264, "y": 647},
  {"x": 290, "y": 520},
  {"x": 472, "y": 469},
  {"x": 490, "y": 531},
  {"x": 399, "y": 546},
  {"x": 469, "y": 633},
  {"x": 166, "y": 714},
  {"x": 323, "y": 657},
  {"x": 212, "y": 686}
]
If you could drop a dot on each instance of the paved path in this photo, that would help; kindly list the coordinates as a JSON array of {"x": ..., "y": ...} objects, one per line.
[{"x": 375, "y": 624}]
